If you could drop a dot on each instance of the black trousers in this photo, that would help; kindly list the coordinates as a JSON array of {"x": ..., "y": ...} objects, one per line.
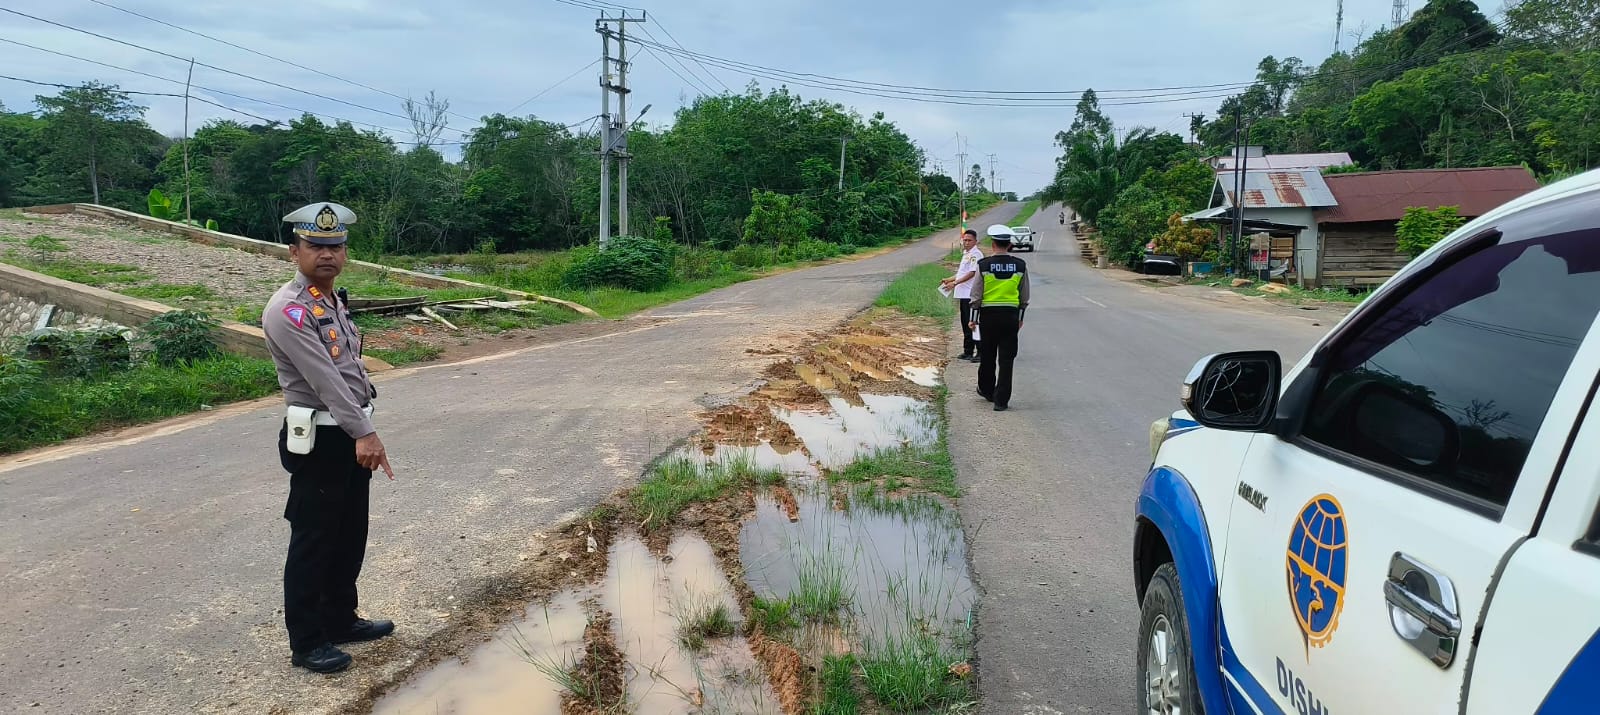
[
  {"x": 327, "y": 513},
  {"x": 968, "y": 345},
  {"x": 997, "y": 351}
]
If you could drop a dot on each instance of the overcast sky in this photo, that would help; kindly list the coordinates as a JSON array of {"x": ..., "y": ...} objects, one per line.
[{"x": 491, "y": 55}]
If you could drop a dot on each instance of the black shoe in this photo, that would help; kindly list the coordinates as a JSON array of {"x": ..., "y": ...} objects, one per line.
[
  {"x": 963, "y": 356},
  {"x": 986, "y": 396},
  {"x": 323, "y": 659},
  {"x": 974, "y": 358},
  {"x": 1001, "y": 408},
  {"x": 363, "y": 630}
]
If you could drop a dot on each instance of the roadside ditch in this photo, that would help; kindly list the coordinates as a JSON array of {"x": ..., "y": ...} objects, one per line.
[{"x": 800, "y": 554}]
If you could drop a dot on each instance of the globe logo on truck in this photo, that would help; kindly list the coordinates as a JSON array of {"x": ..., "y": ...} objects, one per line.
[{"x": 1316, "y": 564}]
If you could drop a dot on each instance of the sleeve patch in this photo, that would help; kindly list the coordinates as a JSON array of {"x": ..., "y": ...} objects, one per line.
[{"x": 296, "y": 315}]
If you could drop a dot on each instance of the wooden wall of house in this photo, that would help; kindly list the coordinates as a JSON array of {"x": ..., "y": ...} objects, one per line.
[{"x": 1360, "y": 251}]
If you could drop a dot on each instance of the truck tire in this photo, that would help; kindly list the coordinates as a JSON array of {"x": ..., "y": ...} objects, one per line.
[{"x": 1165, "y": 683}]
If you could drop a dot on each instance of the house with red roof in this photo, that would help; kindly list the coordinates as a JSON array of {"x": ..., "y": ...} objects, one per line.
[{"x": 1357, "y": 235}]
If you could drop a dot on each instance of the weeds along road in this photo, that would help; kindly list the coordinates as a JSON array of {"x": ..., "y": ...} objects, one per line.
[
  {"x": 1049, "y": 486},
  {"x": 145, "y": 575}
]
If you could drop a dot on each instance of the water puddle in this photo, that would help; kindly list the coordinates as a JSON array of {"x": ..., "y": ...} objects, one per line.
[
  {"x": 503, "y": 675},
  {"x": 894, "y": 568},
  {"x": 789, "y": 460},
  {"x": 924, "y": 376},
  {"x": 811, "y": 376},
  {"x": 856, "y": 363},
  {"x": 656, "y": 604},
  {"x": 836, "y": 438}
]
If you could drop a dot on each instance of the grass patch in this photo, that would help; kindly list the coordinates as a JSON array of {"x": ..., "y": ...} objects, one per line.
[
  {"x": 913, "y": 673},
  {"x": 170, "y": 291},
  {"x": 41, "y": 411},
  {"x": 928, "y": 467},
  {"x": 89, "y": 273},
  {"x": 676, "y": 483},
  {"x": 839, "y": 696},
  {"x": 822, "y": 585},
  {"x": 704, "y": 620},
  {"x": 916, "y": 292},
  {"x": 46, "y": 244},
  {"x": 773, "y": 616},
  {"x": 1027, "y": 211},
  {"x": 413, "y": 351}
]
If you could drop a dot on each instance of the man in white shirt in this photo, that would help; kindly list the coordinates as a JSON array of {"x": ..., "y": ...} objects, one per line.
[{"x": 963, "y": 282}]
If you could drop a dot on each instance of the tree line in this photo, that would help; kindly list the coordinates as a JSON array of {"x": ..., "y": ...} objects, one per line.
[{"x": 521, "y": 183}]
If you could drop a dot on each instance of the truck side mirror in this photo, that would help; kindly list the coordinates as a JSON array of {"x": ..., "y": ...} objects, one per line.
[{"x": 1234, "y": 391}]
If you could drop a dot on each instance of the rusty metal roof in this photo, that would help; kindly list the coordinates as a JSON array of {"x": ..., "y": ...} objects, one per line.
[
  {"x": 1294, "y": 188},
  {"x": 1378, "y": 196}
]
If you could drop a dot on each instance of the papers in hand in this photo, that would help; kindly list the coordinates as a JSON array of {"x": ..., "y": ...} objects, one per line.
[{"x": 946, "y": 292}]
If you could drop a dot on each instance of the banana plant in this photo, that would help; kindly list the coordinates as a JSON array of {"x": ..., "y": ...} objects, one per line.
[{"x": 165, "y": 207}]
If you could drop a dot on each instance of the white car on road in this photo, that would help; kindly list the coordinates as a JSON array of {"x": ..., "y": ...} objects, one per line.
[
  {"x": 1021, "y": 238},
  {"x": 1407, "y": 520}
]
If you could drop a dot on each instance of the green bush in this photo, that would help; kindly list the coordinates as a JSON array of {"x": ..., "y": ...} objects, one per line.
[
  {"x": 754, "y": 256},
  {"x": 699, "y": 263},
  {"x": 78, "y": 353},
  {"x": 1423, "y": 227},
  {"x": 182, "y": 336},
  {"x": 814, "y": 250},
  {"x": 630, "y": 262}
]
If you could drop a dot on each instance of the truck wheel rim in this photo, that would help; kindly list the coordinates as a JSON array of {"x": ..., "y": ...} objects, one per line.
[{"x": 1163, "y": 671}]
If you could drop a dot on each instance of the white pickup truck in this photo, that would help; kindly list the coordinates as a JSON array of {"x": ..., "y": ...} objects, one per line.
[
  {"x": 1406, "y": 521},
  {"x": 1022, "y": 238}
]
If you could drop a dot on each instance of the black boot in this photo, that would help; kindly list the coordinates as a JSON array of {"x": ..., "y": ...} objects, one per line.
[
  {"x": 362, "y": 630},
  {"x": 322, "y": 659}
]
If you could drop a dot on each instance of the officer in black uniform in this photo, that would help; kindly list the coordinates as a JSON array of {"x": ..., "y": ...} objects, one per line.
[
  {"x": 327, "y": 444},
  {"x": 999, "y": 300}
]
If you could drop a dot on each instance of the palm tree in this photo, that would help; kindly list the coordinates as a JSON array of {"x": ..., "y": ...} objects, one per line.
[{"x": 1097, "y": 167}]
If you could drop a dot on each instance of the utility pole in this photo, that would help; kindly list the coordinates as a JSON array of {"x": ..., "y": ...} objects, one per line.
[
  {"x": 842, "y": 141},
  {"x": 188, "y": 205},
  {"x": 992, "y": 186},
  {"x": 613, "y": 130},
  {"x": 961, "y": 179},
  {"x": 1402, "y": 12},
  {"x": 1194, "y": 136},
  {"x": 1238, "y": 190}
]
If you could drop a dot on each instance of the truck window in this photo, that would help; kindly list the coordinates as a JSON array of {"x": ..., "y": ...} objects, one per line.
[{"x": 1451, "y": 384}]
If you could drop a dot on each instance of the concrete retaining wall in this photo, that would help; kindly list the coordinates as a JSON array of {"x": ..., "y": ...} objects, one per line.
[
  {"x": 19, "y": 315},
  {"x": 75, "y": 300},
  {"x": 279, "y": 250}
]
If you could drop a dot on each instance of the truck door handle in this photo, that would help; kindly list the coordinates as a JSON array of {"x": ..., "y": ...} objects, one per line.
[{"x": 1422, "y": 609}]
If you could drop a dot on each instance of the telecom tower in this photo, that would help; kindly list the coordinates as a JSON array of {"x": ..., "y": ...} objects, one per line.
[
  {"x": 1402, "y": 12},
  {"x": 1338, "y": 26}
]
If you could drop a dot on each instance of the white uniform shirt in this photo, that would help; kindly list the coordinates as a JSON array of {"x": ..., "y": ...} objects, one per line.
[{"x": 969, "y": 264}]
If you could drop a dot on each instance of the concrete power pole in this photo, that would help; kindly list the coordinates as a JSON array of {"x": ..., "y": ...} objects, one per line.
[
  {"x": 613, "y": 130},
  {"x": 992, "y": 185},
  {"x": 842, "y": 142},
  {"x": 961, "y": 178}
]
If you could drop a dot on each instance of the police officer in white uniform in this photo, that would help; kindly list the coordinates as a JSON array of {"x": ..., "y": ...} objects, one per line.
[{"x": 327, "y": 444}]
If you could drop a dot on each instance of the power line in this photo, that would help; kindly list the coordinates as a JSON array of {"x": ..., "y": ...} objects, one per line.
[
  {"x": 258, "y": 53},
  {"x": 697, "y": 83},
  {"x": 552, "y": 87},
  {"x": 211, "y": 67},
  {"x": 680, "y": 46}
]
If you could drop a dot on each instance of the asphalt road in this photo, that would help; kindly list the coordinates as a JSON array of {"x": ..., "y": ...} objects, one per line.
[
  {"x": 144, "y": 574},
  {"x": 1049, "y": 486}
]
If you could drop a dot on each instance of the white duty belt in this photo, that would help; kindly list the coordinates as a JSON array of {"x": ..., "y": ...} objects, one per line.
[{"x": 325, "y": 419}]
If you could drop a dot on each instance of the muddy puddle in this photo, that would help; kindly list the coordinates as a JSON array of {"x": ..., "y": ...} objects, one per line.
[
  {"x": 847, "y": 431},
  {"x": 895, "y": 566},
  {"x": 502, "y": 675}
]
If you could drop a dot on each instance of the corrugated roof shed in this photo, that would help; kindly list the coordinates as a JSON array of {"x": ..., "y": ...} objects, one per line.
[
  {"x": 1295, "y": 188},
  {"x": 1384, "y": 195}
]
